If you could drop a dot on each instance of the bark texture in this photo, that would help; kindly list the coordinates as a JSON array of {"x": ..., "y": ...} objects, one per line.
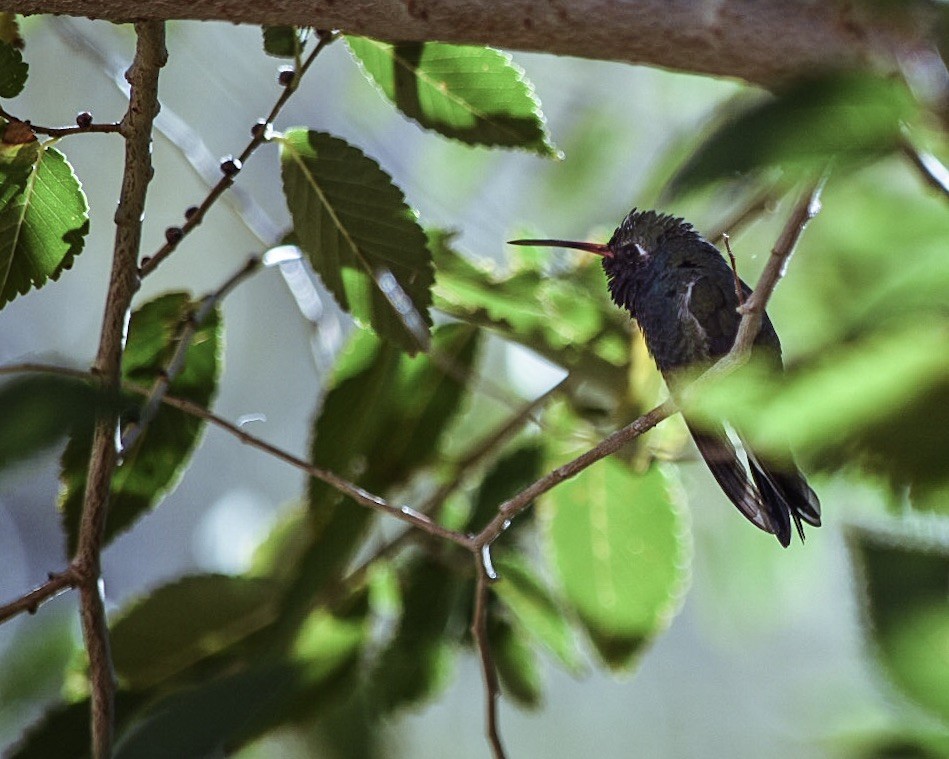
[{"x": 761, "y": 41}]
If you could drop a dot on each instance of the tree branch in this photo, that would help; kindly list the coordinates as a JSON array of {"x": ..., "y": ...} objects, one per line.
[
  {"x": 761, "y": 41},
  {"x": 28, "y": 603},
  {"x": 150, "y": 56},
  {"x": 479, "y": 631}
]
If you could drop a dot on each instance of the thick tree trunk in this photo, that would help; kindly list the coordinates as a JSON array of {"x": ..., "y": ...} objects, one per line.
[{"x": 761, "y": 41}]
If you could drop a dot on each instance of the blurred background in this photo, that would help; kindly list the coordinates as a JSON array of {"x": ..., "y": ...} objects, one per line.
[{"x": 767, "y": 653}]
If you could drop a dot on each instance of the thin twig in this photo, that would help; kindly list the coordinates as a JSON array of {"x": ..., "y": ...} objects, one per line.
[
  {"x": 62, "y": 131},
  {"x": 479, "y": 631},
  {"x": 932, "y": 170},
  {"x": 260, "y": 136},
  {"x": 150, "y": 56},
  {"x": 358, "y": 494},
  {"x": 731, "y": 257},
  {"x": 160, "y": 388},
  {"x": 28, "y": 603},
  {"x": 757, "y": 205},
  {"x": 508, "y": 510}
]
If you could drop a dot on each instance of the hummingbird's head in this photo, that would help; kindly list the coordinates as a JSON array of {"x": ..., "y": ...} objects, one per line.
[{"x": 630, "y": 251}]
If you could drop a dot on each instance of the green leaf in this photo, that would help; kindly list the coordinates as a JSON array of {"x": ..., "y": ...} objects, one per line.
[
  {"x": 618, "y": 548},
  {"x": 13, "y": 70},
  {"x": 382, "y": 420},
  {"x": 908, "y": 609},
  {"x": 511, "y": 473},
  {"x": 41, "y": 409},
  {"x": 360, "y": 236},
  {"x": 284, "y": 41},
  {"x": 845, "y": 116},
  {"x": 206, "y": 720},
  {"x": 534, "y": 607},
  {"x": 155, "y": 462},
  {"x": 416, "y": 663},
  {"x": 566, "y": 318},
  {"x": 44, "y": 216},
  {"x": 186, "y": 621},
  {"x": 477, "y": 95}
]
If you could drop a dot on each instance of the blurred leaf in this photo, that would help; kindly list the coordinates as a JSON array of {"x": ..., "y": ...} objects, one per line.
[
  {"x": 64, "y": 730},
  {"x": 44, "y": 217},
  {"x": 617, "y": 543},
  {"x": 207, "y": 720},
  {"x": 152, "y": 467},
  {"x": 186, "y": 621},
  {"x": 474, "y": 94},
  {"x": 415, "y": 664},
  {"x": 566, "y": 319},
  {"x": 907, "y": 591},
  {"x": 515, "y": 662},
  {"x": 284, "y": 41},
  {"x": 535, "y": 608},
  {"x": 13, "y": 69},
  {"x": 360, "y": 236},
  {"x": 381, "y": 421},
  {"x": 41, "y": 409},
  {"x": 849, "y": 116},
  {"x": 511, "y": 473},
  {"x": 882, "y": 401}
]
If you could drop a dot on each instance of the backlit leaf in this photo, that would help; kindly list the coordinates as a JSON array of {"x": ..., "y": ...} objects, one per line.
[
  {"x": 380, "y": 422},
  {"x": 284, "y": 41},
  {"x": 474, "y": 94},
  {"x": 617, "y": 544},
  {"x": 360, "y": 236},
  {"x": 44, "y": 216}
]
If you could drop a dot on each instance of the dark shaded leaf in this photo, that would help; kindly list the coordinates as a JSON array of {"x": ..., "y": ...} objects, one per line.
[
  {"x": 849, "y": 117},
  {"x": 907, "y": 593},
  {"x": 515, "y": 661},
  {"x": 13, "y": 69},
  {"x": 284, "y": 41},
  {"x": 44, "y": 217},
  {"x": 619, "y": 549},
  {"x": 207, "y": 720},
  {"x": 360, "y": 236},
  {"x": 474, "y": 94},
  {"x": 511, "y": 473},
  {"x": 155, "y": 462},
  {"x": 41, "y": 409},
  {"x": 381, "y": 421},
  {"x": 191, "y": 619},
  {"x": 416, "y": 663}
]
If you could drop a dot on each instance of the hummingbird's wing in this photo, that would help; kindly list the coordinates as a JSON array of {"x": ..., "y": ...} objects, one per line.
[{"x": 731, "y": 475}]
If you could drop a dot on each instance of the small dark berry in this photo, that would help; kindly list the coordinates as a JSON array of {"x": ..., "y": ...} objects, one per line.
[
  {"x": 230, "y": 166},
  {"x": 190, "y": 211},
  {"x": 84, "y": 120},
  {"x": 173, "y": 235},
  {"x": 259, "y": 129},
  {"x": 285, "y": 75}
]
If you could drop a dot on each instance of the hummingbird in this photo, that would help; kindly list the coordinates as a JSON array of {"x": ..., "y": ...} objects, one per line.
[{"x": 684, "y": 297}]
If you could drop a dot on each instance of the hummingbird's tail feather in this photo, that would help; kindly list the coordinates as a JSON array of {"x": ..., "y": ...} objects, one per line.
[
  {"x": 730, "y": 472},
  {"x": 784, "y": 489}
]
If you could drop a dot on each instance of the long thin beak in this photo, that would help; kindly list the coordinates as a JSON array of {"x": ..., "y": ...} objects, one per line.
[{"x": 590, "y": 247}]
